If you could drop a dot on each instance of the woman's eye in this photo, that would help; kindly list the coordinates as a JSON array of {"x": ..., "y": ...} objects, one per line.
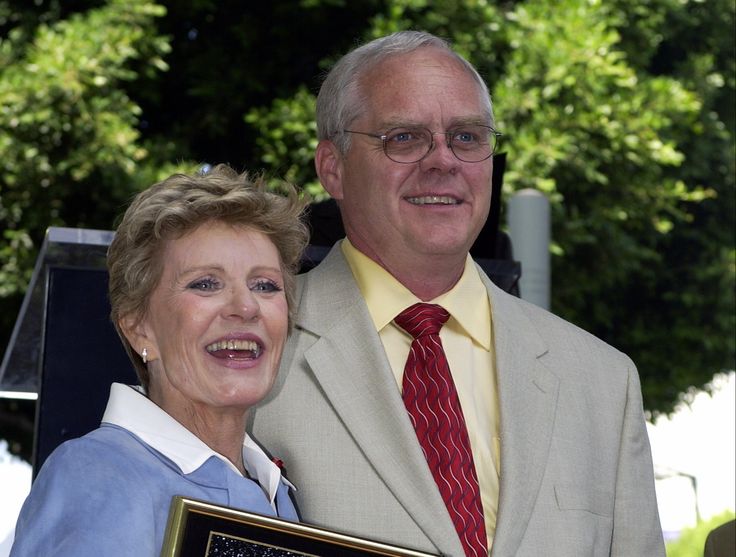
[
  {"x": 266, "y": 286},
  {"x": 204, "y": 285}
]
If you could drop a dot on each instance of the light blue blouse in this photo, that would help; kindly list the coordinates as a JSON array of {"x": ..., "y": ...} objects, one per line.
[{"x": 109, "y": 492}]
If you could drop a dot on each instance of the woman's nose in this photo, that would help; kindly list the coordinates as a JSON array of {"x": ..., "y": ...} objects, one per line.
[{"x": 242, "y": 304}]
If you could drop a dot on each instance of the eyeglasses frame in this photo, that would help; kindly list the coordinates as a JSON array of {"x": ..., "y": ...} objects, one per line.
[{"x": 384, "y": 136}]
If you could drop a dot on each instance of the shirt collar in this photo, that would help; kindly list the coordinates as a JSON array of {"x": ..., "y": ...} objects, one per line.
[
  {"x": 129, "y": 408},
  {"x": 386, "y": 297}
]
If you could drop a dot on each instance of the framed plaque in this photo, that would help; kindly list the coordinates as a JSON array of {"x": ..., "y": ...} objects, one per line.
[{"x": 200, "y": 529}]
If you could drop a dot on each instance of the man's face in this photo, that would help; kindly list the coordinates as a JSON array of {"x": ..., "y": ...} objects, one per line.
[{"x": 397, "y": 213}]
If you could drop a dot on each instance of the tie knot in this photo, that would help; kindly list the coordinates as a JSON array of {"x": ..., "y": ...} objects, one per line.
[{"x": 422, "y": 319}]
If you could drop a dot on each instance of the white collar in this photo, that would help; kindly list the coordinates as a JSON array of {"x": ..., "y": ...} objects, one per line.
[{"x": 129, "y": 408}]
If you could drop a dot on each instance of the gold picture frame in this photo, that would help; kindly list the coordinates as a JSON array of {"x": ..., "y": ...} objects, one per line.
[{"x": 200, "y": 529}]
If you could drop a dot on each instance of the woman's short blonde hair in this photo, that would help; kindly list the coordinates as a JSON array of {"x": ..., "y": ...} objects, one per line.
[{"x": 178, "y": 205}]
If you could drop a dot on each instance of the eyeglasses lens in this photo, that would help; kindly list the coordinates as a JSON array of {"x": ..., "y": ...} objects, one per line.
[{"x": 472, "y": 143}]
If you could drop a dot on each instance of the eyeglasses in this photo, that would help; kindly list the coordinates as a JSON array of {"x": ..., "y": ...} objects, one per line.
[{"x": 471, "y": 143}]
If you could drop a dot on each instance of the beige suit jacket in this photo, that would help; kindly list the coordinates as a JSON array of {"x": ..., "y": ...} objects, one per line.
[{"x": 576, "y": 469}]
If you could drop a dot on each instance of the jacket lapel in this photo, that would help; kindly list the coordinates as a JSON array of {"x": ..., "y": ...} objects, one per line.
[
  {"x": 528, "y": 394},
  {"x": 349, "y": 361}
]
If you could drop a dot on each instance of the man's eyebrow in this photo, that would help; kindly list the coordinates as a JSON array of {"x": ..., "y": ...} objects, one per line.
[
  {"x": 470, "y": 121},
  {"x": 403, "y": 123},
  {"x": 475, "y": 120}
]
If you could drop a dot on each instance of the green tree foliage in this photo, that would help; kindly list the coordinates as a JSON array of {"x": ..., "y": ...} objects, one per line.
[
  {"x": 695, "y": 322},
  {"x": 229, "y": 57},
  {"x": 287, "y": 138},
  {"x": 691, "y": 541},
  {"x": 622, "y": 112},
  {"x": 71, "y": 148},
  {"x": 615, "y": 145}
]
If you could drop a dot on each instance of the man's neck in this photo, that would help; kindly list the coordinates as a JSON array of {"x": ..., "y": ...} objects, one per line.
[
  {"x": 428, "y": 287},
  {"x": 427, "y": 277}
]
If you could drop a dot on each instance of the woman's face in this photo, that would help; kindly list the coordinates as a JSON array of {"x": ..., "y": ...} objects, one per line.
[{"x": 216, "y": 322}]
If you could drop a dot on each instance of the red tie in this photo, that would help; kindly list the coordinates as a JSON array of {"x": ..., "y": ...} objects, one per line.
[{"x": 434, "y": 408}]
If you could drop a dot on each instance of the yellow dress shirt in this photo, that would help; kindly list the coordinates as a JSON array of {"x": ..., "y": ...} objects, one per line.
[{"x": 468, "y": 342}]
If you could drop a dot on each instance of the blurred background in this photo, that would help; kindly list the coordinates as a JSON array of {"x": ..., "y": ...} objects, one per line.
[{"x": 621, "y": 113}]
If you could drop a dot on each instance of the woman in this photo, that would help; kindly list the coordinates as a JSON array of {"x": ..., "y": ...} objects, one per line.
[{"x": 201, "y": 285}]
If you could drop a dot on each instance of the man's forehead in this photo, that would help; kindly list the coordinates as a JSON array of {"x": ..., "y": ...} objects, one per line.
[
  {"x": 403, "y": 91},
  {"x": 425, "y": 58}
]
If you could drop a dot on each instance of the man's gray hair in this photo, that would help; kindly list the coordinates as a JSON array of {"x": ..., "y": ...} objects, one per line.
[{"x": 340, "y": 100}]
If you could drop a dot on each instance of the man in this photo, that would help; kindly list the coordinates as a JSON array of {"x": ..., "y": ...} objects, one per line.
[{"x": 560, "y": 461}]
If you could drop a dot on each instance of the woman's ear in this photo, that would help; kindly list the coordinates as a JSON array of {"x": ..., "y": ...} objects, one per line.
[
  {"x": 136, "y": 331},
  {"x": 328, "y": 163}
]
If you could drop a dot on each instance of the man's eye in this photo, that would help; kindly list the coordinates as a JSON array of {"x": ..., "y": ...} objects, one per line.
[
  {"x": 266, "y": 286},
  {"x": 403, "y": 136},
  {"x": 204, "y": 285},
  {"x": 464, "y": 136}
]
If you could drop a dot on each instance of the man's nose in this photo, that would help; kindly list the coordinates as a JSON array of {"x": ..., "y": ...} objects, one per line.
[{"x": 440, "y": 155}]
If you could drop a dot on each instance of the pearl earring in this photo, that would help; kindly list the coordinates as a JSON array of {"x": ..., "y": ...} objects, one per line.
[{"x": 144, "y": 355}]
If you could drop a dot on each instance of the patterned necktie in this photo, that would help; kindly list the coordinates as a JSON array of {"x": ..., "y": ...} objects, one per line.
[{"x": 434, "y": 408}]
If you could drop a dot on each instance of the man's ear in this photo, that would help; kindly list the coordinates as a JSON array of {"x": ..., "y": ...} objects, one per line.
[
  {"x": 328, "y": 163},
  {"x": 136, "y": 331}
]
